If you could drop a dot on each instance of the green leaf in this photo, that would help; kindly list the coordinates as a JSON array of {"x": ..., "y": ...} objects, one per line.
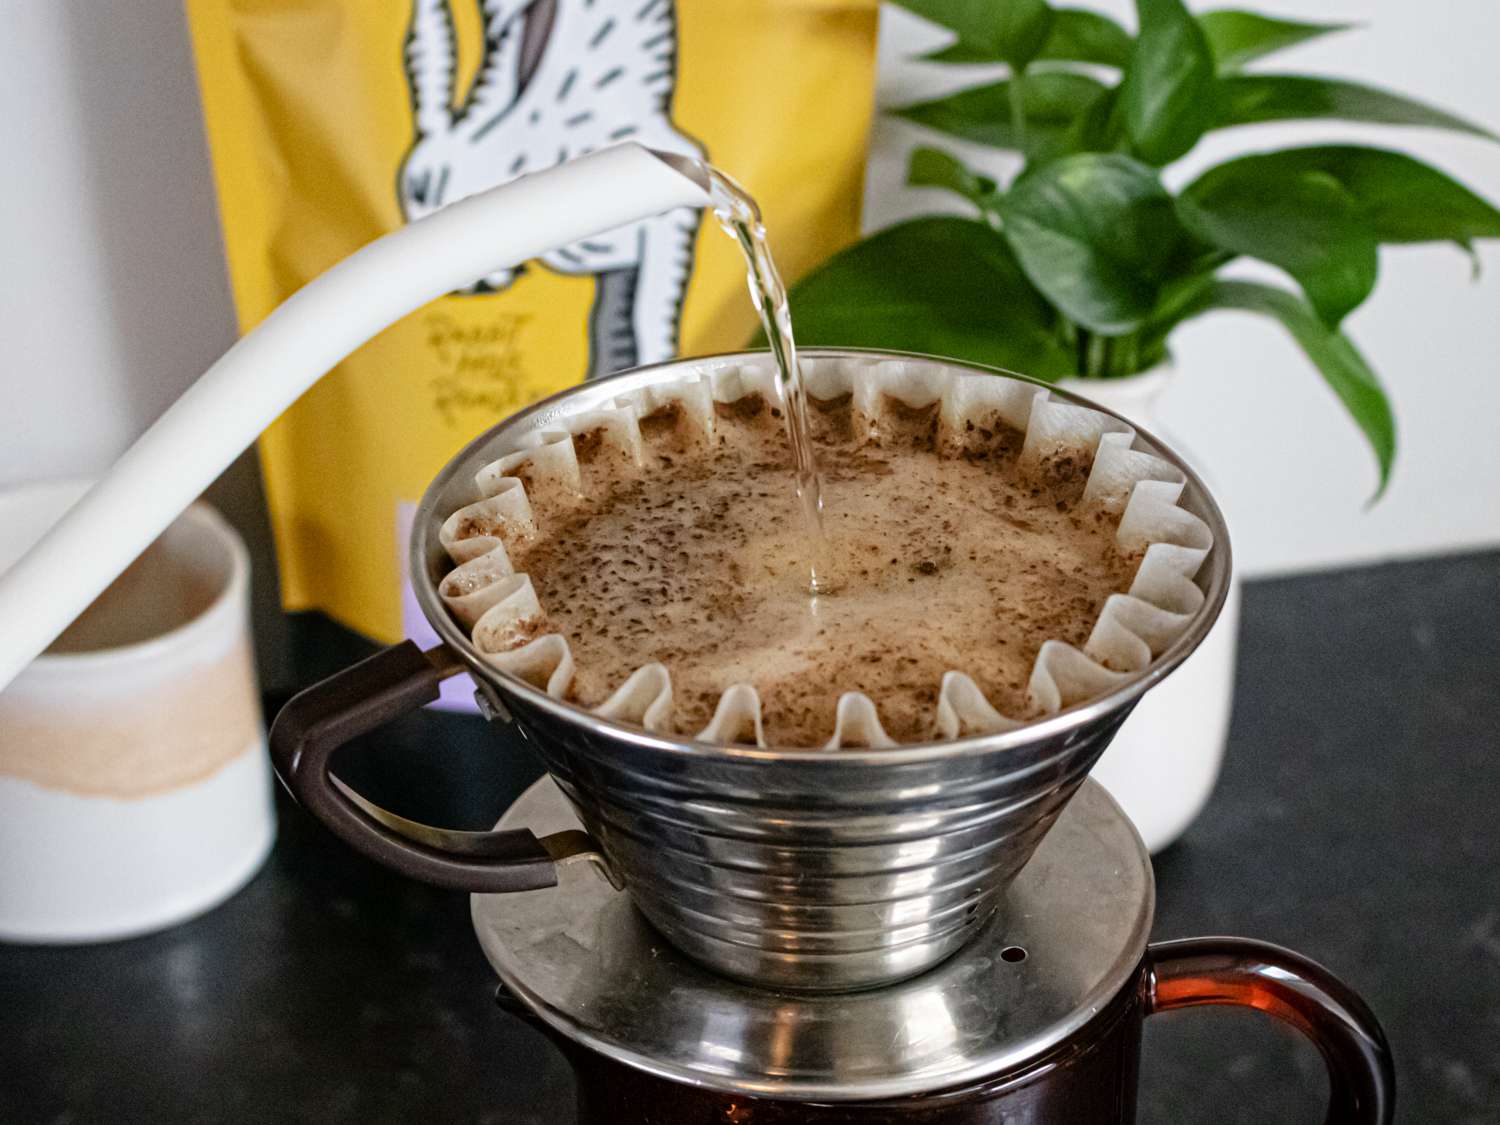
[
  {"x": 1336, "y": 358},
  {"x": 1238, "y": 37},
  {"x": 1096, "y": 233},
  {"x": 1304, "y": 221},
  {"x": 1052, "y": 101},
  {"x": 1011, "y": 31},
  {"x": 1169, "y": 86},
  {"x": 932, "y": 167},
  {"x": 959, "y": 53},
  {"x": 1099, "y": 128},
  {"x": 1078, "y": 35},
  {"x": 944, "y": 286},
  {"x": 1246, "y": 99},
  {"x": 1399, "y": 198}
]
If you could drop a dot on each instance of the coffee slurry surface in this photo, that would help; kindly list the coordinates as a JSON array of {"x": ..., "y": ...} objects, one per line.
[{"x": 697, "y": 560}]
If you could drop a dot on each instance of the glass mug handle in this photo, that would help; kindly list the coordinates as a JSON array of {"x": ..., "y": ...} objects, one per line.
[{"x": 1299, "y": 992}]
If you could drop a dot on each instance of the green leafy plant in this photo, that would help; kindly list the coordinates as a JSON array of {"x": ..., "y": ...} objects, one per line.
[{"x": 1085, "y": 263}]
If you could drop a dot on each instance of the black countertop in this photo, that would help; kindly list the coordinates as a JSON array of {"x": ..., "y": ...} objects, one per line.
[{"x": 1356, "y": 821}]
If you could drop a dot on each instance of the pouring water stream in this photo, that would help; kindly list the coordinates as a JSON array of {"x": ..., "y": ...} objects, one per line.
[{"x": 738, "y": 214}]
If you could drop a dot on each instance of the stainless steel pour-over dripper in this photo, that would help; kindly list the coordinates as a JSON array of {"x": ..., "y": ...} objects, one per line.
[{"x": 807, "y": 869}]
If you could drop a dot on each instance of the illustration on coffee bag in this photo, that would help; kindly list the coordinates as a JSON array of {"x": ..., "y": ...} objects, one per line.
[{"x": 559, "y": 78}]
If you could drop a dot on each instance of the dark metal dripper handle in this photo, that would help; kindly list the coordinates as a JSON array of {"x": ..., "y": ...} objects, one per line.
[
  {"x": 1299, "y": 992},
  {"x": 359, "y": 699}
]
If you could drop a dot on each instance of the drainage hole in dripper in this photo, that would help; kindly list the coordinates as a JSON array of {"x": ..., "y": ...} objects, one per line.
[{"x": 1013, "y": 954}]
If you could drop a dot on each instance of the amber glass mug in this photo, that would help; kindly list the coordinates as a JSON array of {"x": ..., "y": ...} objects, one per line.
[{"x": 1087, "y": 1079}]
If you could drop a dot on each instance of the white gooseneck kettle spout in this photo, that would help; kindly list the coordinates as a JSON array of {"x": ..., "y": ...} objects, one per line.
[{"x": 320, "y": 324}]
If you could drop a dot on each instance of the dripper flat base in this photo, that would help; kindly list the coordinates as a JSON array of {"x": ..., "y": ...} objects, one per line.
[{"x": 586, "y": 962}]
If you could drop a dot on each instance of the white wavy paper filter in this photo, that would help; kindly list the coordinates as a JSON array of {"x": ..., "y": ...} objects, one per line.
[{"x": 500, "y": 608}]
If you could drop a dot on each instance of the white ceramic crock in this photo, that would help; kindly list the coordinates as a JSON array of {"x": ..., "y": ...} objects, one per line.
[{"x": 134, "y": 782}]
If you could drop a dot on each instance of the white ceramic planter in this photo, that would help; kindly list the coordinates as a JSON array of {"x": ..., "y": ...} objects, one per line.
[{"x": 1162, "y": 765}]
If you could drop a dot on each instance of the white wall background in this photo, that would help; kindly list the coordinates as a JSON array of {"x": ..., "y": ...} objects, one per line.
[
  {"x": 113, "y": 298},
  {"x": 113, "y": 294},
  {"x": 1292, "y": 472}
]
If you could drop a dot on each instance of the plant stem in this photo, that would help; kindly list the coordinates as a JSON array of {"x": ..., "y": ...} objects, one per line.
[
  {"x": 1018, "y": 106},
  {"x": 1095, "y": 365}
]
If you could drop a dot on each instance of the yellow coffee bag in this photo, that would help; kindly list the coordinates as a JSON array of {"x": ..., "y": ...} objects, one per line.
[{"x": 332, "y": 122}]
